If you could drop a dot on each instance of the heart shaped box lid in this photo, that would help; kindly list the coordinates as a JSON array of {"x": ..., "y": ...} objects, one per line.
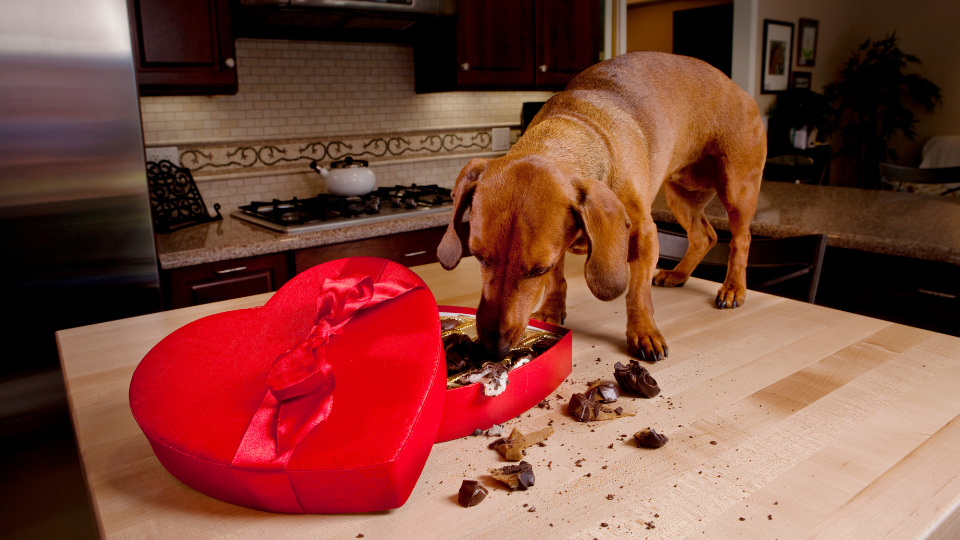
[{"x": 326, "y": 399}]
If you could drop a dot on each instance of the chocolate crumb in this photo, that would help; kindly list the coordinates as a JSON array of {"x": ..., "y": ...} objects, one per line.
[
  {"x": 477, "y": 432},
  {"x": 360, "y": 535},
  {"x": 611, "y": 446},
  {"x": 743, "y": 519},
  {"x": 604, "y": 525},
  {"x": 532, "y": 509},
  {"x": 713, "y": 442},
  {"x": 770, "y": 517},
  {"x": 610, "y": 497},
  {"x": 650, "y": 525}
]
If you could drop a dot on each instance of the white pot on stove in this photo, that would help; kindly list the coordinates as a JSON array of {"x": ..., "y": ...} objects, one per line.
[{"x": 350, "y": 177}]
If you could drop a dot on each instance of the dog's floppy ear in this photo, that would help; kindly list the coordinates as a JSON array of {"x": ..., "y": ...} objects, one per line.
[
  {"x": 450, "y": 248},
  {"x": 607, "y": 228}
]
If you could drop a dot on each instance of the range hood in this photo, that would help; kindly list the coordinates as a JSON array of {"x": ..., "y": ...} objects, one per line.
[{"x": 384, "y": 21}]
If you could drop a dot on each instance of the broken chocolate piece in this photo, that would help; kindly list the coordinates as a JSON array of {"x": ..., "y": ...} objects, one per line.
[
  {"x": 541, "y": 345},
  {"x": 448, "y": 323},
  {"x": 471, "y": 493},
  {"x": 493, "y": 376},
  {"x": 519, "y": 357},
  {"x": 584, "y": 409},
  {"x": 649, "y": 438},
  {"x": 603, "y": 392},
  {"x": 635, "y": 379},
  {"x": 512, "y": 448},
  {"x": 519, "y": 476}
]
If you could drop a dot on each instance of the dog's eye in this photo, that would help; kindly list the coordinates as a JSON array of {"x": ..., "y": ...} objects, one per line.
[
  {"x": 480, "y": 260},
  {"x": 538, "y": 271}
]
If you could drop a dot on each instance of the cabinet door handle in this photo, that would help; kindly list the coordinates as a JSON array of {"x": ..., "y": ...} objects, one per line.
[
  {"x": 937, "y": 294},
  {"x": 414, "y": 254},
  {"x": 465, "y": 66},
  {"x": 543, "y": 68},
  {"x": 230, "y": 63},
  {"x": 230, "y": 270}
]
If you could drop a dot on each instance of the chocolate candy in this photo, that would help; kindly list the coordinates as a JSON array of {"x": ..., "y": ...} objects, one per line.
[
  {"x": 649, "y": 438},
  {"x": 448, "y": 323},
  {"x": 543, "y": 343},
  {"x": 635, "y": 379},
  {"x": 519, "y": 476},
  {"x": 493, "y": 377},
  {"x": 471, "y": 493},
  {"x": 603, "y": 392},
  {"x": 587, "y": 409},
  {"x": 582, "y": 408}
]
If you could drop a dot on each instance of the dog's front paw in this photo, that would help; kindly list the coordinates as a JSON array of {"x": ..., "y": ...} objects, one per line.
[
  {"x": 669, "y": 278},
  {"x": 549, "y": 317},
  {"x": 731, "y": 296},
  {"x": 647, "y": 346}
]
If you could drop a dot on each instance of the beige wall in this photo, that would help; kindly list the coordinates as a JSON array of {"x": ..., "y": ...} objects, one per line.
[
  {"x": 927, "y": 30},
  {"x": 650, "y": 26}
]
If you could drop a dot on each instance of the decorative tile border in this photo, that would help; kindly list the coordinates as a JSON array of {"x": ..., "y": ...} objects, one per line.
[{"x": 278, "y": 156}]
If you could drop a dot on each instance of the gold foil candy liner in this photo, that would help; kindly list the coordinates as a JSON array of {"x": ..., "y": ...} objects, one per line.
[{"x": 468, "y": 326}]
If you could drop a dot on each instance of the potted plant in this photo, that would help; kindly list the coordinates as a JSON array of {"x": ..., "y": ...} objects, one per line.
[{"x": 874, "y": 97}]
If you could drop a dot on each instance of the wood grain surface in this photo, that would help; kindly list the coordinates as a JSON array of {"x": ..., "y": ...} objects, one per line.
[{"x": 786, "y": 421}]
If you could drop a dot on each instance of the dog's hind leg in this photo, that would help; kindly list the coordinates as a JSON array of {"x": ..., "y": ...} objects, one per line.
[
  {"x": 553, "y": 309},
  {"x": 740, "y": 200},
  {"x": 687, "y": 206}
]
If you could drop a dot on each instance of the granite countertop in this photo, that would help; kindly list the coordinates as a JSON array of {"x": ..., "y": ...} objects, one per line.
[
  {"x": 903, "y": 224},
  {"x": 891, "y": 223},
  {"x": 233, "y": 238}
]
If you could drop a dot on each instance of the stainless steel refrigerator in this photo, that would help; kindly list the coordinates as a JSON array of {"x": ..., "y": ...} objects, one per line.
[{"x": 75, "y": 229}]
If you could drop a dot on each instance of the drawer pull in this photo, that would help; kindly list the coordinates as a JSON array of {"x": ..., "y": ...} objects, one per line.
[
  {"x": 937, "y": 294},
  {"x": 230, "y": 270},
  {"x": 414, "y": 254}
]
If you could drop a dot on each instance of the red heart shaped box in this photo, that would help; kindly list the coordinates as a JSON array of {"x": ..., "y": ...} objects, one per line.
[{"x": 197, "y": 393}]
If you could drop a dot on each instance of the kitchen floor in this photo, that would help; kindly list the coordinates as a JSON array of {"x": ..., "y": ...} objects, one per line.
[{"x": 41, "y": 484}]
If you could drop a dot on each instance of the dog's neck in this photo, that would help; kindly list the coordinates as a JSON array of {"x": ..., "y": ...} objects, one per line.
[{"x": 571, "y": 144}]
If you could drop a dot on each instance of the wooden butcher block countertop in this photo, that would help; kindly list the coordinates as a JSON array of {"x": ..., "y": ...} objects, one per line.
[{"x": 786, "y": 421}]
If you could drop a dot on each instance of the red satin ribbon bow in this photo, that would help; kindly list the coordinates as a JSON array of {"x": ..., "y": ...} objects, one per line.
[{"x": 301, "y": 380}]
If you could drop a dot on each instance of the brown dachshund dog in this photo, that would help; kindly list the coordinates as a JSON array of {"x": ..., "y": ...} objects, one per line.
[{"x": 582, "y": 179}]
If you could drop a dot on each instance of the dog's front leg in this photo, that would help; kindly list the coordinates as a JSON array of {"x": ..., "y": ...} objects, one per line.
[
  {"x": 553, "y": 309},
  {"x": 644, "y": 339}
]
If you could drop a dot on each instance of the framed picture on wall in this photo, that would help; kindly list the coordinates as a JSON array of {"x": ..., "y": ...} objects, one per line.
[
  {"x": 801, "y": 79},
  {"x": 807, "y": 43},
  {"x": 777, "y": 56}
]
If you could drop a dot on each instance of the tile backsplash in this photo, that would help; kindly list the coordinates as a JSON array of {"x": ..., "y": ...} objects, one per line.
[{"x": 301, "y": 101}]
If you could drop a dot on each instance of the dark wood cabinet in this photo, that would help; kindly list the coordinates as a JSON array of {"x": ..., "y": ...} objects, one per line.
[
  {"x": 508, "y": 44},
  {"x": 223, "y": 280},
  {"x": 183, "y": 47},
  {"x": 408, "y": 248}
]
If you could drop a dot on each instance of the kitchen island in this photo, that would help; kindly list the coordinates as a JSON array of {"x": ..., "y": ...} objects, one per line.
[{"x": 786, "y": 420}]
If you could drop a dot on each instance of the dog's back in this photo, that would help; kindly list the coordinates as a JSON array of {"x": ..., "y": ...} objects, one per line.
[{"x": 682, "y": 107}]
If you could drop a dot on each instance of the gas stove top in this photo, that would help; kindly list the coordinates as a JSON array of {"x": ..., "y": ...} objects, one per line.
[{"x": 332, "y": 212}]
